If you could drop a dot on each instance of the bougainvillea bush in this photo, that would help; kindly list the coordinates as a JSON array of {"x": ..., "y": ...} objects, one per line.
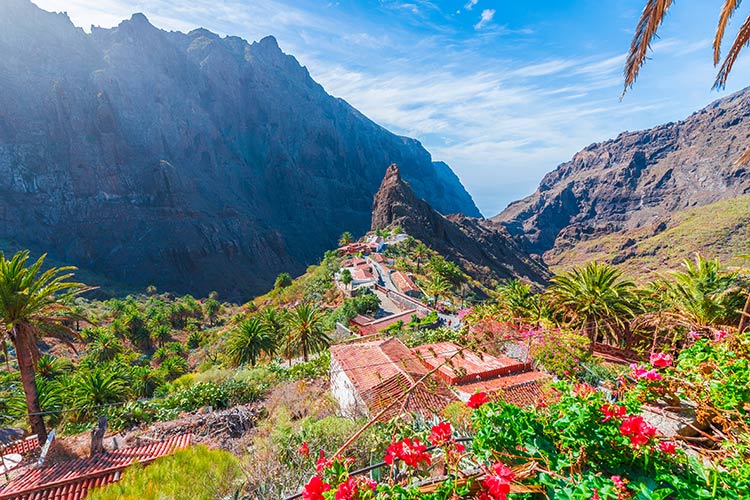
[{"x": 580, "y": 443}]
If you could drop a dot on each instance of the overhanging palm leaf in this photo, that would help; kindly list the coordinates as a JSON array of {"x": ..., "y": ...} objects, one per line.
[{"x": 32, "y": 305}]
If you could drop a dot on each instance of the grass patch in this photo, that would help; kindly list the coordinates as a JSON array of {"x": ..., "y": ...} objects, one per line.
[{"x": 193, "y": 474}]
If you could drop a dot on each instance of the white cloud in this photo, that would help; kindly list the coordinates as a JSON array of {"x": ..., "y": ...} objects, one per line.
[
  {"x": 486, "y": 17},
  {"x": 470, "y": 4}
]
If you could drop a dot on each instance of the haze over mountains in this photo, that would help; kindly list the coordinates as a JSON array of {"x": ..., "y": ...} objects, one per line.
[
  {"x": 188, "y": 161},
  {"x": 646, "y": 199}
]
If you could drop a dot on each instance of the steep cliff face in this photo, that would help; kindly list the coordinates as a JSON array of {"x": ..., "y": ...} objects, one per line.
[
  {"x": 188, "y": 161},
  {"x": 483, "y": 248},
  {"x": 635, "y": 184}
]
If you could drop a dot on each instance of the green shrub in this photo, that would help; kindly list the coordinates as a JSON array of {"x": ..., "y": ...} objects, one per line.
[{"x": 193, "y": 474}]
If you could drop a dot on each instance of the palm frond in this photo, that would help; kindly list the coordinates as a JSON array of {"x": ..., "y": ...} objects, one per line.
[
  {"x": 729, "y": 8},
  {"x": 742, "y": 39},
  {"x": 651, "y": 18}
]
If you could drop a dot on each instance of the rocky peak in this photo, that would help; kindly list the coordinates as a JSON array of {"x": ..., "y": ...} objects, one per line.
[{"x": 484, "y": 249}]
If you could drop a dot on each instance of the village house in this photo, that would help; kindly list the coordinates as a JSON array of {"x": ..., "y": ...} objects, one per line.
[
  {"x": 367, "y": 376},
  {"x": 405, "y": 284},
  {"x": 509, "y": 379},
  {"x": 369, "y": 326}
]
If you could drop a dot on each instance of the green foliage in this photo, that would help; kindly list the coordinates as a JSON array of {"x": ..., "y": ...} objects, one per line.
[
  {"x": 173, "y": 367},
  {"x": 194, "y": 340},
  {"x": 306, "y": 330},
  {"x": 193, "y": 474},
  {"x": 317, "y": 367},
  {"x": 94, "y": 388},
  {"x": 596, "y": 298},
  {"x": 561, "y": 352},
  {"x": 248, "y": 341},
  {"x": 283, "y": 280}
]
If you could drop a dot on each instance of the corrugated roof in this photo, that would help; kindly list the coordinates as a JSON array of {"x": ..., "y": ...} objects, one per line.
[
  {"x": 467, "y": 366},
  {"x": 71, "y": 479}
]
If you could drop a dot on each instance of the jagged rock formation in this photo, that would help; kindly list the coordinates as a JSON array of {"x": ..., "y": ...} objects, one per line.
[
  {"x": 483, "y": 248},
  {"x": 188, "y": 161},
  {"x": 634, "y": 185}
]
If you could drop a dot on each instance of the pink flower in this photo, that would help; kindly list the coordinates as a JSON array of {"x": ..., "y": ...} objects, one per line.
[
  {"x": 720, "y": 335},
  {"x": 613, "y": 411},
  {"x": 596, "y": 496},
  {"x": 498, "y": 483},
  {"x": 668, "y": 447},
  {"x": 314, "y": 489},
  {"x": 661, "y": 360},
  {"x": 639, "y": 372},
  {"x": 638, "y": 430},
  {"x": 463, "y": 313},
  {"x": 477, "y": 400},
  {"x": 694, "y": 335}
]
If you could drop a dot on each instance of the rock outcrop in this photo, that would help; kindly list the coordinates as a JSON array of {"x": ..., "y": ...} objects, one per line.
[
  {"x": 635, "y": 182},
  {"x": 483, "y": 248},
  {"x": 188, "y": 161}
]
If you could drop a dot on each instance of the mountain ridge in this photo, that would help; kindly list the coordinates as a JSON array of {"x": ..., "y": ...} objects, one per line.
[
  {"x": 188, "y": 161},
  {"x": 636, "y": 180},
  {"x": 485, "y": 250}
]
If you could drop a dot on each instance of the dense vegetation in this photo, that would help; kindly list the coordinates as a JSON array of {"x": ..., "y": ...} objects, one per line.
[{"x": 151, "y": 357}]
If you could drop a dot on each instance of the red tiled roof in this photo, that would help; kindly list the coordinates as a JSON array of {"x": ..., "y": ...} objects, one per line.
[
  {"x": 378, "y": 257},
  {"x": 403, "y": 282},
  {"x": 382, "y": 370},
  {"x": 522, "y": 389},
  {"x": 362, "y": 274},
  {"x": 71, "y": 480},
  {"x": 21, "y": 447},
  {"x": 467, "y": 366},
  {"x": 378, "y": 325}
]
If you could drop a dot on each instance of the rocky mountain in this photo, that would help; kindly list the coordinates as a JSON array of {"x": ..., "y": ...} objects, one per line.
[
  {"x": 483, "y": 248},
  {"x": 188, "y": 161},
  {"x": 628, "y": 199}
]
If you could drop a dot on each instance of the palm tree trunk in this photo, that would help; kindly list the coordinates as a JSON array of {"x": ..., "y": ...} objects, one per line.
[
  {"x": 745, "y": 312},
  {"x": 21, "y": 341}
]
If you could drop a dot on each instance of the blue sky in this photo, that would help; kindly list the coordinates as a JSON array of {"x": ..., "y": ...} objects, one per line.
[{"x": 501, "y": 90}]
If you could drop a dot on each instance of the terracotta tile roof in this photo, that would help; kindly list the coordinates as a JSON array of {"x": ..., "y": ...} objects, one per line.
[
  {"x": 376, "y": 325},
  {"x": 362, "y": 274},
  {"x": 467, "y": 366},
  {"x": 522, "y": 389},
  {"x": 21, "y": 447},
  {"x": 403, "y": 282},
  {"x": 379, "y": 258},
  {"x": 382, "y": 370},
  {"x": 71, "y": 480}
]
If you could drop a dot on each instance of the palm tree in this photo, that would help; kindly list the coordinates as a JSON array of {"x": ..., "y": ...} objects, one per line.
[
  {"x": 596, "y": 298},
  {"x": 32, "y": 305},
  {"x": 105, "y": 347},
  {"x": 437, "y": 287},
  {"x": 420, "y": 252},
  {"x": 517, "y": 298},
  {"x": 248, "y": 341},
  {"x": 144, "y": 381},
  {"x": 92, "y": 389},
  {"x": 305, "y": 327},
  {"x": 345, "y": 238},
  {"x": 651, "y": 19},
  {"x": 701, "y": 291}
]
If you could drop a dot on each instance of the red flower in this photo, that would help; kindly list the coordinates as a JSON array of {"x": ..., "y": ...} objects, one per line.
[
  {"x": 583, "y": 390},
  {"x": 304, "y": 450},
  {"x": 460, "y": 448},
  {"x": 442, "y": 433},
  {"x": 349, "y": 489},
  {"x": 613, "y": 411},
  {"x": 412, "y": 452},
  {"x": 638, "y": 430},
  {"x": 314, "y": 489},
  {"x": 477, "y": 400},
  {"x": 498, "y": 483},
  {"x": 668, "y": 447},
  {"x": 661, "y": 360},
  {"x": 720, "y": 335},
  {"x": 596, "y": 496},
  {"x": 322, "y": 462},
  {"x": 620, "y": 487}
]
